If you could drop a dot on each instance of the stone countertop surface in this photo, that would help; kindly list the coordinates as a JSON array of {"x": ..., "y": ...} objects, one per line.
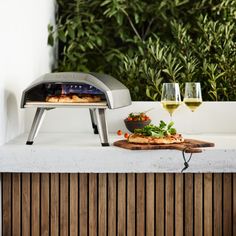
[{"x": 82, "y": 153}]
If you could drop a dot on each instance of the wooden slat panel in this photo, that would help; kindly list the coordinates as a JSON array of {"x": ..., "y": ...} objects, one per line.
[
  {"x": 217, "y": 221},
  {"x": 102, "y": 205},
  {"x": 16, "y": 204},
  {"x": 121, "y": 221},
  {"x": 150, "y": 204},
  {"x": 44, "y": 204},
  {"x": 160, "y": 193},
  {"x": 74, "y": 206},
  {"x": 179, "y": 204},
  {"x": 112, "y": 204},
  {"x": 153, "y": 200},
  {"x": 169, "y": 205},
  {"x": 207, "y": 204},
  {"x": 83, "y": 204},
  {"x": 64, "y": 208},
  {"x": 227, "y": 204},
  {"x": 26, "y": 204},
  {"x": 131, "y": 205},
  {"x": 198, "y": 204},
  {"x": 140, "y": 206},
  {"x": 188, "y": 221},
  {"x": 93, "y": 196},
  {"x": 6, "y": 204},
  {"x": 35, "y": 205},
  {"x": 54, "y": 205},
  {"x": 234, "y": 204}
]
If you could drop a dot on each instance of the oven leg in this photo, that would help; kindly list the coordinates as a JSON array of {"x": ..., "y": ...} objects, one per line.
[
  {"x": 93, "y": 120},
  {"x": 102, "y": 126},
  {"x": 38, "y": 119}
]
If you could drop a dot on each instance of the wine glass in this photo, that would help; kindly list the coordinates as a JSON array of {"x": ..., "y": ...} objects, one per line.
[
  {"x": 193, "y": 95},
  {"x": 170, "y": 97}
]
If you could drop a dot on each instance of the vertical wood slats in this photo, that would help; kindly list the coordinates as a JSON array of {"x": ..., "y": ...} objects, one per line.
[
  {"x": 188, "y": 204},
  {"x": 140, "y": 206},
  {"x": 234, "y": 204},
  {"x": 207, "y": 204},
  {"x": 150, "y": 204},
  {"x": 169, "y": 211},
  {"x": 121, "y": 205},
  {"x": 198, "y": 204},
  {"x": 25, "y": 201},
  {"x": 160, "y": 204},
  {"x": 112, "y": 204},
  {"x": 102, "y": 205},
  {"x": 118, "y": 204},
  {"x": 35, "y": 205},
  {"x": 16, "y": 204},
  {"x": 64, "y": 204},
  {"x": 83, "y": 204},
  {"x": 6, "y": 204},
  {"x": 131, "y": 201},
  {"x": 179, "y": 204},
  {"x": 54, "y": 205},
  {"x": 44, "y": 205},
  {"x": 74, "y": 207},
  {"x": 93, "y": 204},
  {"x": 217, "y": 204},
  {"x": 227, "y": 204}
]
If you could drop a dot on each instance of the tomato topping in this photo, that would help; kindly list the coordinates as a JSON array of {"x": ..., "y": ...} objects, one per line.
[
  {"x": 139, "y": 116},
  {"x": 126, "y": 135},
  {"x": 119, "y": 132}
]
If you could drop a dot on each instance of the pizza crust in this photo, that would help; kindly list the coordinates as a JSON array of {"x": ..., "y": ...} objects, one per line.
[
  {"x": 141, "y": 139},
  {"x": 73, "y": 99}
]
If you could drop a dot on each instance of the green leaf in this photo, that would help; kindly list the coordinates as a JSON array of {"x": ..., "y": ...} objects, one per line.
[
  {"x": 162, "y": 124},
  {"x": 170, "y": 125},
  {"x": 71, "y": 31},
  {"x": 61, "y": 35},
  {"x": 50, "y": 28},
  {"x": 50, "y": 40},
  {"x": 172, "y": 131}
]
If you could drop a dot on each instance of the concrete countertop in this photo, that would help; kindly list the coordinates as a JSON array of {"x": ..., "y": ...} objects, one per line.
[{"x": 78, "y": 153}]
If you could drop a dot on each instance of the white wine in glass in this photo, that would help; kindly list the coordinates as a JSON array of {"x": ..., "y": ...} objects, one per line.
[
  {"x": 193, "y": 95},
  {"x": 170, "y": 97}
]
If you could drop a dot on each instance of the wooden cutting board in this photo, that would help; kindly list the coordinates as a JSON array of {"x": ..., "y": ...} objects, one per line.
[{"x": 188, "y": 146}]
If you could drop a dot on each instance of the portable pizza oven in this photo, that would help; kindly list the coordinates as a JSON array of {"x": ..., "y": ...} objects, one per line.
[{"x": 94, "y": 91}]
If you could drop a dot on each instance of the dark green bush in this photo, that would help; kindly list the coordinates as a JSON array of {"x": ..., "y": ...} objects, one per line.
[{"x": 146, "y": 43}]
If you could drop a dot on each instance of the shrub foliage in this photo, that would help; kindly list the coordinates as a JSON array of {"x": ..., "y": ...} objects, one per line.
[{"x": 144, "y": 43}]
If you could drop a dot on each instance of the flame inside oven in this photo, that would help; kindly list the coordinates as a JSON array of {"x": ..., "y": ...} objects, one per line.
[{"x": 67, "y": 89}]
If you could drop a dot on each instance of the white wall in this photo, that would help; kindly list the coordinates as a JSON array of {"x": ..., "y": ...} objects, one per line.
[
  {"x": 209, "y": 118},
  {"x": 24, "y": 55}
]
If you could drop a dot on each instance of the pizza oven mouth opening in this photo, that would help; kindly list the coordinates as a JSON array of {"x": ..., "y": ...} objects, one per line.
[
  {"x": 94, "y": 91},
  {"x": 65, "y": 93}
]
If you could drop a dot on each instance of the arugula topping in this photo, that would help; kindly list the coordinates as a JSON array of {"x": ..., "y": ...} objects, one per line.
[{"x": 157, "y": 131}]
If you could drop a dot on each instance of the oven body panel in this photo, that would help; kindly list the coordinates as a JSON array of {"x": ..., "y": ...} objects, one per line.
[{"x": 117, "y": 95}]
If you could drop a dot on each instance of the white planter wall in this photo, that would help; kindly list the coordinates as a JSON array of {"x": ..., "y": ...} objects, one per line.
[{"x": 24, "y": 55}]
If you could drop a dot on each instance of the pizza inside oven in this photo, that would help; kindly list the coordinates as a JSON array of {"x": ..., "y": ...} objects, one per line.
[
  {"x": 73, "y": 98},
  {"x": 74, "y": 93}
]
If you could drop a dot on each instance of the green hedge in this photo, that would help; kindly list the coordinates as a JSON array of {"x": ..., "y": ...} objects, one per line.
[{"x": 145, "y": 43}]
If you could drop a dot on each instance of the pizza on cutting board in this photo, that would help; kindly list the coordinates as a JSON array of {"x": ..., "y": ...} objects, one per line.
[{"x": 151, "y": 134}]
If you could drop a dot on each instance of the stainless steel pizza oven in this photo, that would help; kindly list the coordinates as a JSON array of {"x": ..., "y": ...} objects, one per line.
[{"x": 112, "y": 94}]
